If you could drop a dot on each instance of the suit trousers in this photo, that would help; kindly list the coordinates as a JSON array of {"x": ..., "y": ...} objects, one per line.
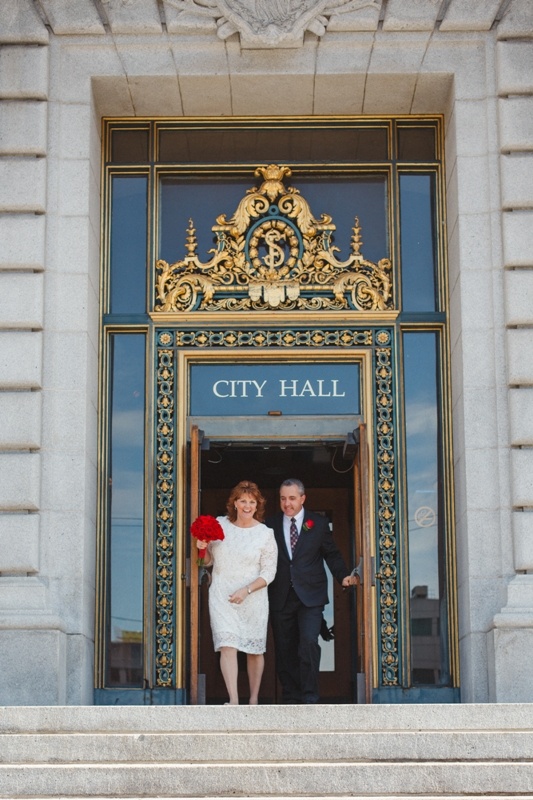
[{"x": 296, "y": 629}]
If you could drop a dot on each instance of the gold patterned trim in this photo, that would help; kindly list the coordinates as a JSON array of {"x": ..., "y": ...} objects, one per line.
[
  {"x": 382, "y": 342},
  {"x": 343, "y": 337},
  {"x": 165, "y": 493},
  {"x": 386, "y": 488}
]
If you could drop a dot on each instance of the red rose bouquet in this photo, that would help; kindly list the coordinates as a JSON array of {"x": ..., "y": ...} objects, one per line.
[{"x": 206, "y": 529}]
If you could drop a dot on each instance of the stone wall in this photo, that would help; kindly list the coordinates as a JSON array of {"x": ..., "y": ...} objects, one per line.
[
  {"x": 65, "y": 64},
  {"x": 512, "y": 636}
]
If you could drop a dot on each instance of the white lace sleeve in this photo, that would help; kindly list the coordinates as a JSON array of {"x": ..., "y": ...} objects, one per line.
[{"x": 269, "y": 558}]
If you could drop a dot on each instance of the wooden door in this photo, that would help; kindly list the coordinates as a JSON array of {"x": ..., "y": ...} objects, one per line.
[
  {"x": 338, "y": 661},
  {"x": 194, "y": 506},
  {"x": 365, "y": 561}
]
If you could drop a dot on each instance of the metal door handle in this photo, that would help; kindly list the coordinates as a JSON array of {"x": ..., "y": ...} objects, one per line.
[{"x": 358, "y": 570}]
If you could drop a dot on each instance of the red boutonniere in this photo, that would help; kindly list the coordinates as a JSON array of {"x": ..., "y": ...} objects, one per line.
[
  {"x": 308, "y": 525},
  {"x": 206, "y": 529}
]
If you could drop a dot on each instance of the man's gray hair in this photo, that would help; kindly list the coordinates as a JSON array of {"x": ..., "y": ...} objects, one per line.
[{"x": 294, "y": 482}]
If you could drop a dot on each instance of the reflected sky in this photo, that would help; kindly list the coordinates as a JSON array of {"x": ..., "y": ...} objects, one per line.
[
  {"x": 343, "y": 199},
  {"x": 417, "y": 242},
  {"x": 128, "y": 256},
  {"x": 200, "y": 201},
  {"x": 420, "y": 371},
  {"x": 365, "y": 198},
  {"x": 127, "y": 485}
]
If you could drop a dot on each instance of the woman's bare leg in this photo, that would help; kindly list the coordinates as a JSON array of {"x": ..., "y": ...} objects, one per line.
[
  {"x": 230, "y": 672},
  {"x": 256, "y": 665}
]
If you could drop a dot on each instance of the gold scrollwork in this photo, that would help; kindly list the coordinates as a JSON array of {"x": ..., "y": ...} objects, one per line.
[
  {"x": 388, "y": 599},
  {"x": 165, "y": 490},
  {"x": 273, "y": 254},
  {"x": 277, "y": 337}
]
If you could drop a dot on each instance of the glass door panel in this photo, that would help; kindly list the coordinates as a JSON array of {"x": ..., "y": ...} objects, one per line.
[
  {"x": 126, "y": 510},
  {"x": 427, "y": 574},
  {"x": 418, "y": 243}
]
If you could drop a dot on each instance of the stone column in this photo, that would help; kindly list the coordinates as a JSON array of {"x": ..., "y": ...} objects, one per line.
[
  {"x": 513, "y": 627},
  {"x": 29, "y": 639}
]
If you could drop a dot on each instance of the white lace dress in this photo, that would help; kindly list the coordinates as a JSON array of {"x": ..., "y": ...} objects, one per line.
[{"x": 244, "y": 555}]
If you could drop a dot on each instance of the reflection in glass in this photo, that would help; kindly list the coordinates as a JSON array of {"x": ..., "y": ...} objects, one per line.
[
  {"x": 273, "y": 145},
  {"x": 129, "y": 207},
  {"x": 327, "y": 646},
  {"x": 199, "y": 200},
  {"x": 418, "y": 245},
  {"x": 126, "y": 510},
  {"x": 416, "y": 144},
  {"x": 426, "y": 556},
  {"x": 344, "y": 199},
  {"x": 129, "y": 147}
]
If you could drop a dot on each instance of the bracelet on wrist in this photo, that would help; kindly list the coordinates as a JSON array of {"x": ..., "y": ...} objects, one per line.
[{"x": 248, "y": 590}]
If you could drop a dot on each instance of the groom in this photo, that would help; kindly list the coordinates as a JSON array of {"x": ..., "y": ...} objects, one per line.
[{"x": 298, "y": 593}]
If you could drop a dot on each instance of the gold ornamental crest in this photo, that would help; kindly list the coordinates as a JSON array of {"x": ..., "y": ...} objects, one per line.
[{"x": 272, "y": 254}]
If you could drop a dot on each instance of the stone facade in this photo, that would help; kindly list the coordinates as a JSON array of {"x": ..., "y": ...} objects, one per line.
[{"x": 66, "y": 63}]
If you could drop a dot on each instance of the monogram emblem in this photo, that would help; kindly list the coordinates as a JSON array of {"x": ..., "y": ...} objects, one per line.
[{"x": 276, "y": 255}]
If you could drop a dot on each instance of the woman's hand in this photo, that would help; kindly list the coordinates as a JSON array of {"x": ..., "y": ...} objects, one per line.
[
  {"x": 238, "y": 596},
  {"x": 204, "y": 560}
]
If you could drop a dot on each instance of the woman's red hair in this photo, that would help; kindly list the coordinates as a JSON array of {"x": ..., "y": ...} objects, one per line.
[{"x": 246, "y": 487}]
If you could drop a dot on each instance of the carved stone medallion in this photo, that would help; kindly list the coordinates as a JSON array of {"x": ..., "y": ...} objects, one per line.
[
  {"x": 269, "y": 23},
  {"x": 276, "y": 23}
]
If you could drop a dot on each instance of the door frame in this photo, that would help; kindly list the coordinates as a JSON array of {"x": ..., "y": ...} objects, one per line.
[
  {"x": 188, "y": 450},
  {"x": 167, "y": 572},
  {"x": 354, "y": 521},
  {"x": 365, "y": 556}
]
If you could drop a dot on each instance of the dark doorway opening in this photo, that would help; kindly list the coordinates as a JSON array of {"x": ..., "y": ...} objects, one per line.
[{"x": 326, "y": 470}]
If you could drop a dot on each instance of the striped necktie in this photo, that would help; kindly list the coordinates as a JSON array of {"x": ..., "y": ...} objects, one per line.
[{"x": 293, "y": 533}]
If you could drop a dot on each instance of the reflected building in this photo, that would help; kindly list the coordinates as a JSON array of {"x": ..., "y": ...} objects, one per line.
[
  {"x": 425, "y": 637},
  {"x": 125, "y": 659}
]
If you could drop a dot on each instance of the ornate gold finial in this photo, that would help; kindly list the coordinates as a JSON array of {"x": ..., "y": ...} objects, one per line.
[
  {"x": 274, "y": 254},
  {"x": 191, "y": 243},
  {"x": 273, "y": 180},
  {"x": 357, "y": 241}
]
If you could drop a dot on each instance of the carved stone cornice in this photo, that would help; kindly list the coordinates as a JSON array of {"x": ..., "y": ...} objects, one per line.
[
  {"x": 273, "y": 254},
  {"x": 260, "y": 23}
]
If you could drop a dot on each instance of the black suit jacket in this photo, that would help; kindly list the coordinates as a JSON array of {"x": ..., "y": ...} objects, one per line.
[{"x": 305, "y": 570}]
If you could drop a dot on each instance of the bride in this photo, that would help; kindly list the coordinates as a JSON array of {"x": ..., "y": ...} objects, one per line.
[{"x": 244, "y": 563}]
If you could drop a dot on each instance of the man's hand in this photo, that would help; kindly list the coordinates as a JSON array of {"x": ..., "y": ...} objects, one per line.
[{"x": 350, "y": 580}]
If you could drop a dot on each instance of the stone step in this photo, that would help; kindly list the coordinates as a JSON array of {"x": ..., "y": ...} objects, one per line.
[
  {"x": 331, "y": 718},
  {"x": 195, "y": 747},
  {"x": 275, "y": 779},
  {"x": 267, "y": 752}
]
